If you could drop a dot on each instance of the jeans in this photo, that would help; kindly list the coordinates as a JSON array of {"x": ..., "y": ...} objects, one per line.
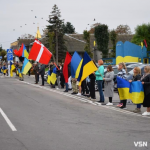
[
  {"x": 139, "y": 106},
  {"x": 66, "y": 86},
  {"x": 100, "y": 89}
]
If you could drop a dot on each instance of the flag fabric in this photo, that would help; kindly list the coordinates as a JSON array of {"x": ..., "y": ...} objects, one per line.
[
  {"x": 40, "y": 53},
  {"x": 75, "y": 61},
  {"x": 24, "y": 52},
  {"x": 19, "y": 52},
  {"x": 65, "y": 68},
  {"x": 53, "y": 76},
  {"x": 145, "y": 43},
  {"x": 136, "y": 92},
  {"x": 4, "y": 69},
  {"x": 78, "y": 69},
  {"x": 87, "y": 68},
  {"x": 12, "y": 67},
  {"x": 123, "y": 88},
  {"x": 26, "y": 66},
  {"x": 141, "y": 45},
  {"x": 19, "y": 72},
  {"x": 49, "y": 79}
]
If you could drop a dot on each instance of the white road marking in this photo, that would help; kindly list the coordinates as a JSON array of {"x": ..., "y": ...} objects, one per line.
[
  {"x": 87, "y": 101},
  {"x": 8, "y": 121}
]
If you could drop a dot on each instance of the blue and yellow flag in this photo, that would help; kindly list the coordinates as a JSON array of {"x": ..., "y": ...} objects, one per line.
[
  {"x": 133, "y": 90},
  {"x": 87, "y": 68},
  {"x": 19, "y": 72},
  {"x": 75, "y": 61},
  {"x": 49, "y": 77},
  {"x": 78, "y": 69},
  {"x": 136, "y": 92},
  {"x": 123, "y": 88},
  {"x": 12, "y": 67},
  {"x": 26, "y": 66},
  {"x": 53, "y": 76},
  {"x": 24, "y": 52}
]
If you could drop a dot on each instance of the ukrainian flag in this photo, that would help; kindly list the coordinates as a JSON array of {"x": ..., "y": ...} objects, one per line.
[
  {"x": 20, "y": 75},
  {"x": 49, "y": 77},
  {"x": 12, "y": 67},
  {"x": 75, "y": 61},
  {"x": 123, "y": 88},
  {"x": 24, "y": 52},
  {"x": 136, "y": 92},
  {"x": 87, "y": 68},
  {"x": 53, "y": 76},
  {"x": 26, "y": 66}
]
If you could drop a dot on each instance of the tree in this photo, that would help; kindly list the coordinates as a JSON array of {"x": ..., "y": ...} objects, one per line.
[
  {"x": 92, "y": 30},
  {"x": 113, "y": 38},
  {"x": 68, "y": 28},
  {"x": 142, "y": 32},
  {"x": 102, "y": 38},
  {"x": 3, "y": 53},
  {"x": 86, "y": 36},
  {"x": 123, "y": 30},
  {"x": 55, "y": 26}
]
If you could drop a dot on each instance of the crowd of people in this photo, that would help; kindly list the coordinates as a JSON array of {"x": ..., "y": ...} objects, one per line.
[{"x": 87, "y": 87}]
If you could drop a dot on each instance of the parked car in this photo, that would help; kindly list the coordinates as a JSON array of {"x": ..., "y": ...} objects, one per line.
[
  {"x": 131, "y": 63},
  {"x": 130, "y": 74}
]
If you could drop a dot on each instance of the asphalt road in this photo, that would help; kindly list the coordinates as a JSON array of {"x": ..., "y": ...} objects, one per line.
[{"x": 48, "y": 120}]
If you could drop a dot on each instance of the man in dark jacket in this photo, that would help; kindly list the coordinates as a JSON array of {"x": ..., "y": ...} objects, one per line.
[
  {"x": 42, "y": 73},
  {"x": 36, "y": 70}
]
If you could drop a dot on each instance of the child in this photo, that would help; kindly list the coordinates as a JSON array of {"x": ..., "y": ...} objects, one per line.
[
  {"x": 136, "y": 77},
  {"x": 122, "y": 74}
]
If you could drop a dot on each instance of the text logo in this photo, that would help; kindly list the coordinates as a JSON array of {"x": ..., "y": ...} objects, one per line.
[{"x": 140, "y": 144}]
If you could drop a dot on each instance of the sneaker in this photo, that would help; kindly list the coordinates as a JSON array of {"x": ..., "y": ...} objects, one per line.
[
  {"x": 57, "y": 88},
  {"x": 137, "y": 110},
  {"x": 79, "y": 94},
  {"x": 120, "y": 105},
  {"x": 146, "y": 114},
  {"x": 109, "y": 104}
]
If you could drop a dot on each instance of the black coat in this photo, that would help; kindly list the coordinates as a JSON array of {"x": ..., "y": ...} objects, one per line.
[
  {"x": 136, "y": 78},
  {"x": 42, "y": 70},
  {"x": 146, "y": 81}
]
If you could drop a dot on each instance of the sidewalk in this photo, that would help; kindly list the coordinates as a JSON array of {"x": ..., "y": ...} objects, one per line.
[{"x": 130, "y": 106}]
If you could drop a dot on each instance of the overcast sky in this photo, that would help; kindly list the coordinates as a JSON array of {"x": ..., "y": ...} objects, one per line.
[{"x": 16, "y": 13}]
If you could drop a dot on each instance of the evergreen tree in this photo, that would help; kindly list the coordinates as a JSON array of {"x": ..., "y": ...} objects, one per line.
[
  {"x": 102, "y": 38},
  {"x": 68, "y": 28},
  {"x": 55, "y": 29}
]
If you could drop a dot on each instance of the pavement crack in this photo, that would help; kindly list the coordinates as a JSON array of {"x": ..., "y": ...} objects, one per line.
[{"x": 22, "y": 144}]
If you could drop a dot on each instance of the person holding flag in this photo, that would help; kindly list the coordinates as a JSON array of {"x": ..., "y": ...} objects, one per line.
[
  {"x": 136, "y": 77},
  {"x": 122, "y": 74},
  {"x": 99, "y": 79}
]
